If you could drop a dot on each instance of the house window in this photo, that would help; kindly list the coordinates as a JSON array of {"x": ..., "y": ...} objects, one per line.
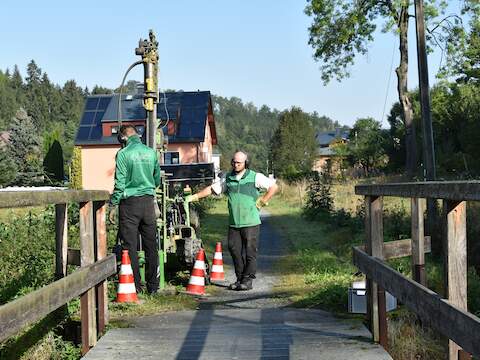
[
  {"x": 114, "y": 130},
  {"x": 171, "y": 158}
]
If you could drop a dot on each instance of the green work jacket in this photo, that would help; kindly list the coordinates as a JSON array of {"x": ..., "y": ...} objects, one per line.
[
  {"x": 137, "y": 171},
  {"x": 242, "y": 196}
]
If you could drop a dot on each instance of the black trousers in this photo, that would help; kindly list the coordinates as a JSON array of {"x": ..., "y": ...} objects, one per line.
[
  {"x": 137, "y": 216},
  {"x": 242, "y": 244}
]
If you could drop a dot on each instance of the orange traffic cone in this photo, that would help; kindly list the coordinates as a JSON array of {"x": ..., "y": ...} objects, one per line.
[
  {"x": 126, "y": 284},
  {"x": 196, "y": 284},
  {"x": 217, "y": 273}
]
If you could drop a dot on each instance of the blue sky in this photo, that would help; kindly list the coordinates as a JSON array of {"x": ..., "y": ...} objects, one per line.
[{"x": 255, "y": 50}]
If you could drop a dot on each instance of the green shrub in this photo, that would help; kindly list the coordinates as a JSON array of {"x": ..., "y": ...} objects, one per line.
[{"x": 319, "y": 199}]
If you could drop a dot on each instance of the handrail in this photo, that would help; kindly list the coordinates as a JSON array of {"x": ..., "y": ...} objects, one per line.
[
  {"x": 89, "y": 281},
  {"x": 447, "y": 315},
  {"x": 14, "y": 199},
  {"x": 447, "y": 190},
  {"x": 33, "y": 306}
]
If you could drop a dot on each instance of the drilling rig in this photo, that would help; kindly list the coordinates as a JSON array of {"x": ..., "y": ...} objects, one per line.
[{"x": 177, "y": 221}]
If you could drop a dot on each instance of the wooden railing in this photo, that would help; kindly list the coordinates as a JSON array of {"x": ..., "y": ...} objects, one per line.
[
  {"x": 88, "y": 282},
  {"x": 449, "y": 314}
]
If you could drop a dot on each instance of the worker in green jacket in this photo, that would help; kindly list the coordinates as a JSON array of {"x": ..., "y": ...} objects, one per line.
[
  {"x": 242, "y": 186},
  {"x": 137, "y": 174}
]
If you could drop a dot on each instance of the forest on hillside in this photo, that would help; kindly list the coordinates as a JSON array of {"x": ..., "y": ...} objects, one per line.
[{"x": 36, "y": 113}]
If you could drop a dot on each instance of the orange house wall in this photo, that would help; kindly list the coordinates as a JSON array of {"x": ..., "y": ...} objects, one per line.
[{"x": 98, "y": 167}]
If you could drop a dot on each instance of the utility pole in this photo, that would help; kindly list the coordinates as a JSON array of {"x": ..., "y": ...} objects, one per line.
[
  {"x": 428, "y": 146},
  {"x": 148, "y": 50}
]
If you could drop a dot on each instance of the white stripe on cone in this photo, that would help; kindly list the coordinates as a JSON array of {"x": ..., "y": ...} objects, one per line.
[
  {"x": 199, "y": 264},
  {"x": 218, "y": 256},
  {"x": 217, "y": 268},
  {"x": 197, "y": 280},
  {"x": 126, "y": 270},
  {"x": 127, "y": 288}
]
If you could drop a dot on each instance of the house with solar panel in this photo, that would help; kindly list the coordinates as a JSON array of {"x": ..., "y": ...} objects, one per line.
[{"x": 188, "y": 127}]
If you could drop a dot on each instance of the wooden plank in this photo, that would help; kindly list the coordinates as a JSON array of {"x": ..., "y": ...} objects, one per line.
[
  {"x": 445, "y": 317},
  {"x": 13, "y": 199},
  {"x": 456, "y": 260},
  {"x": 400, "y": 248},
  {"x": 418, "y": 240},
  {"x": 61, "y": 240},
  {"x": 374, "y": 246},
  {"x": 449, "y": 190},
  {"x": 73, "y": 257},
  {"x": 36, "y": 305},
  {"x": 87, "y": 257},
  {"x": 101, "y": 244}
]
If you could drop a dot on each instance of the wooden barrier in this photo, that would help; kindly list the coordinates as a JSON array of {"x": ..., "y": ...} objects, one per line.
[
  {"x": 449, "y": 316},
  {"x": 88, "y": 282}
]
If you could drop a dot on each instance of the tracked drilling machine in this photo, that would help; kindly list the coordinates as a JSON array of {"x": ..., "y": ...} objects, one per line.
[{"x": 177, "y": 222}]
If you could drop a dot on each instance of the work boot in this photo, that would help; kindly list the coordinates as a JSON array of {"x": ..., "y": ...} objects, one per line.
[
  {"x": 246, "y": 284},
  {"x": 234, "y": 286}
]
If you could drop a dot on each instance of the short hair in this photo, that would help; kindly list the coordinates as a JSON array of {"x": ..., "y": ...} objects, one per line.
[
  {"x": 124, "y": 128},
  {"x": 241, "y": 151}
]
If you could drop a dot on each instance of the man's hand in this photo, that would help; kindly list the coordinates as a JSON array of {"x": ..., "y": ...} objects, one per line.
[
  {"x": 112, "y": 216},
  {"x": 191, "y": 198},
  {"x": 260, "y": 203}
]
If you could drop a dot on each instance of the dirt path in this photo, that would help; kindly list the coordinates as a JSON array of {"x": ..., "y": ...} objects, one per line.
[{"x": 241, "y": 325}]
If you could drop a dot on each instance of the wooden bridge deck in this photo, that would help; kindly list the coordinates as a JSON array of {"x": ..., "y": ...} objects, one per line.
[
  {"x": 268, "y": 333},
  {"x": 242, "y": 325}
]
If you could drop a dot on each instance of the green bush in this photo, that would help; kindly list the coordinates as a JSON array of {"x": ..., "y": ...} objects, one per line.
[{"x": 319, "y": 200}]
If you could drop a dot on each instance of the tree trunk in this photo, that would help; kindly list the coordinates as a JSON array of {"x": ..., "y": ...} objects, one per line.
[{"x": 402, "y": 76}]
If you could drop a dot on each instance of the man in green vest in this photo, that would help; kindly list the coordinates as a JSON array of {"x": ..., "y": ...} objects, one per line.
[
  {"x": 241, "y": 187},
  {"x": 137, "y": 174}
]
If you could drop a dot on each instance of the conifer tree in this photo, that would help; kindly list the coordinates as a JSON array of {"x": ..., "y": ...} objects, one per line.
[
  {"x": 24, "y": 149},
  {"x": 293, "y": 146},
  {"x": 8, "y": 169},
  {"x": 53, "y": 161}
]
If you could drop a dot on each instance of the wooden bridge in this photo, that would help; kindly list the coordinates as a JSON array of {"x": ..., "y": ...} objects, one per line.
[
  {"x": 446, "y": 314},
  {"x": 253, "y": 325}
]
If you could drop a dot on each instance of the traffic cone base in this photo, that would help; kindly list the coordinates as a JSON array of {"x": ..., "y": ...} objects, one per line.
[
  {"x": 217, "y": 273},
  {"x": 126, "y": 284},
  {"x": 196, "y": 284}
]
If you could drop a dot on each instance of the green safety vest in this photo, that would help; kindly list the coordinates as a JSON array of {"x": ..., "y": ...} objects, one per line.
[{"x": 242, "y": 195}]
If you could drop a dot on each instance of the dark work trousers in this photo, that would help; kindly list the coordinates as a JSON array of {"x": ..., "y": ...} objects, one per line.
[
  {"x": 137, "y": 215},
  {"x": 242, "y": 244}
]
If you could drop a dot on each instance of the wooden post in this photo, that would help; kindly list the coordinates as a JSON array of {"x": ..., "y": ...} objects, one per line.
[
  {"x": 61, "y": 240},
  {"x": 87, "y": 257},
  {"x": 374, "y": 247},
  {"x": 456, "y": 261},
  {"x": 418, "y": 241},
  {"x": 101, "y": 244}
]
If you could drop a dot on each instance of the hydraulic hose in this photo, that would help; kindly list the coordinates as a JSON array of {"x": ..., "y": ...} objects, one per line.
[{"x": 119, "y": 110}]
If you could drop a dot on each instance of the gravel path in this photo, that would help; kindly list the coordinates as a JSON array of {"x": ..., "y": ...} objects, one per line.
[{"x": 270, "y": 249}]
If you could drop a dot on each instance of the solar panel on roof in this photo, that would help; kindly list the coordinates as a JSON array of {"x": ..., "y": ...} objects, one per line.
[
  {"x": 104, "y": 101},
  {"x": 87, "y": 118},
  {"x": 95, "y": 133},
  {"x": 83, "y": 132},
  {"x": 91, "y": 104},
  {"x": 98, "y": 117}
]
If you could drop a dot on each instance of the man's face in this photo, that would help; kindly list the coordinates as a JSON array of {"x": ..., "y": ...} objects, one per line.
[{"x": 238, "y": 162}]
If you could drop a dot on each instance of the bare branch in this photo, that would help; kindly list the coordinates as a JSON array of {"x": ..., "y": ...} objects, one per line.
[{"x": 447, "y": 19}]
